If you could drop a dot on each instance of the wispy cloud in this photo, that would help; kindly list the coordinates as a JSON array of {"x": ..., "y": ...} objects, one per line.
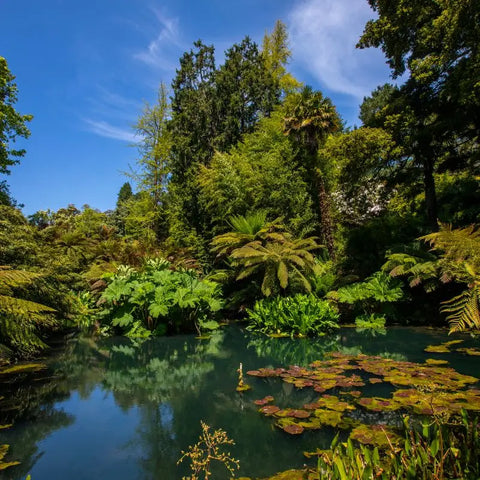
[
  {"x": 106, "y": 129},
  {"x": 162, "y": 52},
  {"x": 324, "y": 34}
]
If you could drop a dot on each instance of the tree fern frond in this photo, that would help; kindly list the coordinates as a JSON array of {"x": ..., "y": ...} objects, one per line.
[
  {"x": 16, "y": 278},
  {"x": 463, "y": 310},
  {"x": 19, "y": 306}
]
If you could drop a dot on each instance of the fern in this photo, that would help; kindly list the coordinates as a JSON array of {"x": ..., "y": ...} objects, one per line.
[
  {"x": 21, "y": 318},
  {"x": 463, "y": 310},
  {"x": 458, "y": 259}
]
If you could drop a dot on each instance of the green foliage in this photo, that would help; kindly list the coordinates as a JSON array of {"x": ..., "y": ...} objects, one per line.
[
  {"x": 12, "y": 123},
  {"x": 258, "y": 174},
  {"x": 441, "y": 450},
  {"x": 374, "y": 320},
  {"x": 364, "y": 163},
  {"x": 154, "y": 147},
  {"x": 380, "y": 287},
  {"x": 275, "y": 54},
  {"x": 298, "y": 315},
  {"x": 434, "y": 113},
  {"x": 374, "y": 294},
  {"x": 458, "y": 260},
  {"x": 21, "y": 319},
  {"x": 309, "y": 119},
  {"x": 282, "y": 261},
  {"x": 245, "y": 92},
  {"x": 158, "y": 300}
]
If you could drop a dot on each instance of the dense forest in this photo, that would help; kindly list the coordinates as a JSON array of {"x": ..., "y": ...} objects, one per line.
[{"x": 252, "y": 200}]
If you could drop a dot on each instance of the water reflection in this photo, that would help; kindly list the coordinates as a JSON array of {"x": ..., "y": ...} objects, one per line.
[{"x": 121, "y": 409}]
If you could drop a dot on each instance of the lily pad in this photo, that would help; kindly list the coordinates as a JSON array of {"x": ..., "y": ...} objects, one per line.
[
  {"x": 434, "y": 361},
  {"x": 293, "y": 429},
  {"x": 269, "y": 409},
  {"x": 470, "y": 351},
  {"x": 264, "y": 401},
  {"x": 376, "y": 435}
]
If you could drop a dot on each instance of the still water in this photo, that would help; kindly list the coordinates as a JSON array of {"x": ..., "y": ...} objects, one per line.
[{"x": 120, "y": 409}]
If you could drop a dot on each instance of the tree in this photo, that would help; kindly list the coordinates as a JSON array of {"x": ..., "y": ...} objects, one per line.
[
  {"x": 12, "y": 123},
  {"x": 364, "y": 163},
  {"x": 193, "y": 124},
  {"x": 245, "y": 91},
  {"x": 309, "y": 119},
  {"x": 154, "y": 147},
  {"x": 276, "y": 53},
  {"x": 437, "y": 44},
  {"x": 259, "y": 173},
  {"x": 124, "y": 194}
]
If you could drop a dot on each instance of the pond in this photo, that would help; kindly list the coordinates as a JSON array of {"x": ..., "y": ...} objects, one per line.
[{"x": 121, "y": 409}]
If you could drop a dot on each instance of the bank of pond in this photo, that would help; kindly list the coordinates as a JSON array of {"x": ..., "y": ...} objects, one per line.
[{"x": 118, "y": 408}]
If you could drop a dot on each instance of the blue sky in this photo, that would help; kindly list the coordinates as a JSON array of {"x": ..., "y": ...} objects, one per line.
[{"x": 84, "y": 70}]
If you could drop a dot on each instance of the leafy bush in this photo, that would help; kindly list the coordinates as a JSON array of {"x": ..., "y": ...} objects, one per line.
[
  {"x": 158, "y": 299},
  {"x": 298, "y": 315},
  {"x": 374, "y": 295}
]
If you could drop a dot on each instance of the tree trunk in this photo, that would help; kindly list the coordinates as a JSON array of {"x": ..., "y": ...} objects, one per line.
[
  {"x": 430, "y": 193},
  {"x": 326, "y": 218}
]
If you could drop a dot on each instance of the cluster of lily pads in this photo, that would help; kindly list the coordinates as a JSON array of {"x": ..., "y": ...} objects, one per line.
[
  {"x": 445, "y": 347},
  {"x": 424, "y": 389}
]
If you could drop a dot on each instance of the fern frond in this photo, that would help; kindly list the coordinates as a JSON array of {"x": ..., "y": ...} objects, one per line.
[
  {"x": 16, "y": 278},
  {"x": 464, "y": 310},
  {"x": 19, "y": 306}
]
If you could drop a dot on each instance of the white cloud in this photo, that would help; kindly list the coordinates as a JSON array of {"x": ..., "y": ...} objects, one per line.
[
  {"x": 323, "y": 36},
  {"x": 162, "y": 52},
  {"x": 105, "y": 129}
]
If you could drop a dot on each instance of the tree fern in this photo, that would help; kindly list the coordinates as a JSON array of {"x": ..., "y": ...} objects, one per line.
[
  {"x": 457, "y": 259},
  {"x": 20, "y": 319},
  {"x": 460, "y": 261},
  {"x": 282, "y": 260}
]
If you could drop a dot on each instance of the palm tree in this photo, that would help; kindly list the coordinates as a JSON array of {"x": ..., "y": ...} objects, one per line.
[
  {"x": 281, "y": 260},
  {"x": 309, "y": 119}
]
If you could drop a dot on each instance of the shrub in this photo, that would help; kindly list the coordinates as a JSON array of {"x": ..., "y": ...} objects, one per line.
[
  {"x": 158, "y": 299},
  {"x": 298, "y": 315}
]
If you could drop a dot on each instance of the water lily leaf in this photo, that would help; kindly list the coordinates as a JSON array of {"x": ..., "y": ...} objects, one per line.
[
  {"x": 434, "y": 361},
  {"x": 437, "y": 349},
  {"x": 269, "y": 409},
  {"x": 293, "y": 429},
  {"x": 469, "y": 351},
  {"x": 264, "y": 401},
  {"x": 377, "y": 435}
]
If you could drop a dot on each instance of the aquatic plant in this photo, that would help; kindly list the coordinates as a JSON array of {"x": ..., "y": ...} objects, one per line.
[
  {"x": 438, "y": 450},
  {"x": 298, "y": 315},
  {"x": 207, "y": 450}
]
